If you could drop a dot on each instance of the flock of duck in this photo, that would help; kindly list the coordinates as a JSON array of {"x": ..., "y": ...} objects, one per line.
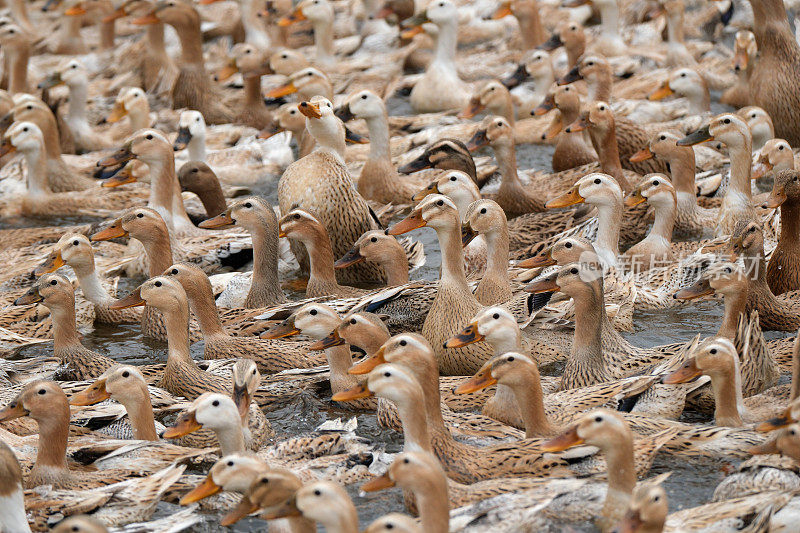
[{"x": 229, "y": 172}]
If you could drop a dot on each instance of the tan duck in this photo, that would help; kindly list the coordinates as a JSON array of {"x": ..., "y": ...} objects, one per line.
[
  {"x": 760, "y": 123},
  {"x": 258, "y": 218},
  {"x": 307, "y": 82},
  {"x": 487, "y": 218},
  {"x": 737, "y": 202},
  {"x": 378, "y": 181},
  {"x": 234, "y": 473},
  {"x": 512, "y": 196},
  {"x": 56, "y": 293},
  {"x": 454, "y": 304},
  {"x": 198, "y": 178},
  {"x": 299, "y": 225},
  {"x": 572, "y": 150},
  {"x": 778, "y": 64},
  {"x": 685, "y": 83},
  {"x": 393, "y": 522},
  {"x": 384, "y": 250},
  {"x": 690, "y": 218},
  {"x": 131, "y": 102},
  {"x": 181, "y": 376},
  {"x": 193, "y": 87},
  {"x": 745, "y": 53},
  {"x": 647, "y": 510},
  {"x": 310, "y": 182},
  {"x": 538, "y": 67},
  {"x": 655, "y": 249},
  {"x": 570, "y": 35},
  {"x": 782, "y": 272},
  {"x": 250, "y": 62},
  {"x": 445, "y": 154},
  {"x": 775, "y": 156},
  {"x": 526, "y": 12},
  {"x": 270, "y": 356},
  {"x": 18, "y": 43},
  {"x": 496, "y": 100}
]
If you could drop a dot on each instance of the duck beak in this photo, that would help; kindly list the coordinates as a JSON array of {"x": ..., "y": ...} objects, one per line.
[
  {"x": 776, "y": 423},
  {"x": 117, "y": 14},
  {"x": 75, "y": 11},
  {"x": 378, "y": 483},
  {"x": 183, "y": 139},
  {"x": 203, "y": 490},
  {"x": 760, "y": 168},
  {"x": 740, "y": 60},
  {"x": 411, "y": 32},
  {"x": 123, "y": 177},
  {"x": 50, "y": 4},
  {"x": 467, "y": 234},
  {"x": 466, "y": 336},
  {"x": 281, "y": 232},
  {"x": 94, "y": 393},
  {"x": 366, "y": 366},
  {"x": 227, "y": 71},
  {"x": 344, "y": 114},
  {"x": 328, "y": 342},
  {"x": 478, "y": 140},
  {"x": 684, "y": 374},
  {"x": 698, "y": 289},
  {"x": 269, "y": 131},
  {"x": 475, "y": 107},
  {"x": 6, "y": 147},
  {"x": 283, "y": 90},
  {"x": 296, "y": 16},
  {"x": 411, "y": 222},
  {"x": 635, "y": 198},
  {"x": 114, "y": 231},
  {"x": 542, "y": 260},
  {"x": 287, "y": 510},
  {"x": 122, "y": 155},
  {"x": 642, "y": 155},
  {"x": 548, "y": 104},
  {"x": 544, "y": 285},
  {"x": 420, "y": 163},
  {"x": 551, "y": 44},
  {"x": 555, "y": 127},
  {"x": 146, "y": 20},
  {"x": 561, "y": 443},
  {"x": 662, "y": 92},
  {"x": 13, "y": 411},
  {"x": 284, "y": 329},
  {"x": 433, "y": 188},
  {"x": 218, "y": 221},
  {"x": 776, "y": 197},
  {"x": 572, "y": 76},
  {"x": 579, "y": 125},
  {"x": 186, "y": 423},
  {"x": 52, "y": 80},
  {"x": 503, "y": 11},
  {"x": 117, "y": 113},
  {"x": 134, "y": 299},
  {"x": 51, "y": 264},
  {"x": 244, "y": 509},
  {"x": 517, "y": 77},
  {"x": 700, "y": 136},
  {"x": 479, "y": 381},
  {"x": 631, "y": 523},
  {"x": 309, "y": 110},
  {"x": 355, "y": 393},
  {"x": 32, "y": 296},
  {"x": 241, "y": 397},
  {"x": 571, "y": 197},
  {"x": 352, "y": 257},
  {"x": 353, "y": 137}
]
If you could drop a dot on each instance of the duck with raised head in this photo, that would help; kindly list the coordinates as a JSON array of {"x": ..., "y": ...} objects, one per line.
[
  {"x": 131, "y": 102},
  {"x": 782, "y": 271},
  {"x": 198, "y": 178},
  {"x": 775, "y": 156},
  {"x": 320, "y": 14},
  {"x": 251, "y": 62},
  {"x": 537, "y": 67},
  {"x": 762, "y": 129},
  {"x": 609, "y": 43},
  {"x": 572, "y": 149},
  {"x": 745, "y": 56},
  {"x": 311, "y": 182},
  {"x": 685, "y": 83},
  {"x": 570, "y": 35},
  {"x": 655, "y": 249},
  {"x": 18, "y": 45},
  {"x": 379, "y": 247},
  {"x": 495, "y": 99},
  {"x": 526, "y": 12}
]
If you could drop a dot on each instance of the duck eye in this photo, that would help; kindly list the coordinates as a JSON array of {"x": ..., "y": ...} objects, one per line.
[
  {"x": 406, "y": 460},
  {"x": 390, "y": 526},
  {"x": 363, "y": 96},
  {"x": 483, "y": 211},
  {"x": 25, "y": 128},
  {"x": 496, "y": 316},
  {"x": 126, "y": 374},
  {"x": 157, "y": 283},
  {"x": 510, "y": 358},
  {"x": 780, "y": 147},
  {"x": 53, "y": 282},
  {"x": 42, "y": 392},
  {"x": 353, "y": 321},
  {"x": 247, "y": 51},
  {"x": 373, "y": 239},
  {"x": 292, "y": 112},
  {"x": 452, "y": 178},
  {"x": 573, "y": 270},
  {"x": 403, "y": 342},
  {"x": 753, "y": 115},
  {"x": 248, "y": 205},
  {"x": 387, "y": 374},
  {"x": 568, "y": 245},
  {"x": 149, "y": 137},
  {"x": 683, "y": 74},
  {"x": 296, "y": 216},
  {"x": 727, "y": 121},
  {"x": 602, "y": 108},
  {"x": 440, "y": 203},
  {"x": 656, "y": 183},
  {"x": 656, "y": 498},
  {"x": 215, "y": 403},
  {"x": 597, "y": 181},
  {"x": 75, "y": 243},
  {"x": 590, "y": 63},
  {"x": 712, "y": 351},
  {"x": 728, "y": 270},
  {"x": 230, "y": 463},
  {"x": 195, "y": 170},
  {"x": 264, "y": 480},
  {"x": 313, "y": 312},
  {"x": 254, "y": 372},
  {"x": 663, "y": 137},
  {"x": 174, "y": 272},
  {"x": 317, "y": 492},
  {"x": 139, "y": 215},
  {"x": 598, "y": 419},
  {"x": 74, "y": 66},
  {"x": 75, "y": 528}
]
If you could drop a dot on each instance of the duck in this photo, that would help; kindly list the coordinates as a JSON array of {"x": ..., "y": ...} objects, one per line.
[
  {"x": 781, "y": 274},
  {"x": 192, "y": 88},
  {"x": 299, "y": 225},
  {"x": 569, "y": 34},
  {"x": 686, "y": 83},
  {"x": 270, "y": 356},
  {"x": 346, "y": 219},
  {"x": 745, "y": 52},
  {"x": 440, "y": 88},
  {"x": 258, "y": 218},
  {"x": 454, "y": 304},
  {"x": 737, "y": 203},
  {"x": 778, "y": 63},
  {"x": 231, "y": 473},
  {"x": 760, "y": 123},
  {"x": 17, "y": 42},
  {"x": 320, "y": 14},
  {"x": 198, "y": 178},
  {"x": 131, "y": 102},
  {"x": 571, "y": 150},
  {"x": 445, "y": 154},
  {"x": 609, "y": 43},
  {"x": 378, "y": 247},
  {"x": 648, "y": 508},
  {"x": 495, "y": 99},
  {"x": 776, "y": 155},
  {"x": 678, "y": 55},
  {"x": 655, "y": 249},
  {"x": 526, "y": 12},
  {"x": 249, "y": 60}
]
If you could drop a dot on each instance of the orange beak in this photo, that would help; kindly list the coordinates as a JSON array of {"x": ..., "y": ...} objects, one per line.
[
  {"x": 378, "y": 483},
  {"x": 146, "y": 20},
  {"x": 204, "y": 490},
  {"x": 114, "y": 231},
  {"x": 288, "y": 20},
  {"x": 284, "y": 329},
  {"x": 475, "y": 107},
  {"x": 51, "y": 264},
  {"x": 776, "y": 423},
  {"x": 185, "y": 424},
  {"x": 740, "y": 60},
  {"x": 94, "y": 393},
  {"x": 118, "y": 14},
  {"x": 354, "y": 393},
  {"x": 571, "y": 197},
  {"x": 366, "y": 366},
  {"x": 328, "y": 342},
  {"x": 545, "y": 285},
  {"x": 228, "y": 70},
  {"x": 662, "y": 92},
  {"x": 554, "y": 128},
  {"x": 479, "y": 381},
  {"x": 6, "y": 147},
  {"x": 635, "y": 198},
  {"x": 542, "y": 260},
  {"x": 123, "y": 177},
  {"x": 75, "y": 11},
  {"x": 579, "y": 125},
  {"x": 700, "y": 288},
  {"x": 283, "y": 90},
  {"x": 561, "y": 443},
  {"x": 117, "y": 113},
  {"x": 13, "y": 411},
  {"x": 309, "y": 110},
  {"x": 410, "y": 223},
  {"x": 503, "y": 11},
  {"x": 411, "y": 32},
  {"x": 642, "y": 155},
  {"x": 466, "y": 336},
  {"x": 684, "y": 374},
  {"x": 218, "y": 221},
  {"x": 244, "y": 509},
  {"x": 433, "y": 188},
  {"x": 134, "y": 299}
]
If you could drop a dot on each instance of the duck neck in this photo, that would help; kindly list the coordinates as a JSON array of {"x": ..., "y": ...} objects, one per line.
[
  {"x": 587, "y": 348},
  {"x": 609, "y": 222},
  {"x": 446, "y": 43},
  {"x": 231, "y": 438},
  {"x": 92, "y": 287},
  {"x": 155, "y": 38},
  {"x": 396, "y": 268},
  {"x": 191, "y": 42},
  {"x": 741, "y": 159},
  {"x": 18, "y": 77},
  {"x": 323, "y": 41},
  {"x": 53, "y": 433},
  {"x": 265, "y": 262},
  {"x": 213, "y": 200},
  {"x": 140, "y": 413},
  {"x": 735, "y": 307},
  {"x": 675, "y": 27},
  {"x": 19, "y": 12},
  {"x": 196, "y": 149},
  {"x": 165, "y": 195},
  {"x": 531, "y": 403},
  {"x": 158, "y": 248},
  {"x": 433, "y": 500},
  {"x": 77, "y": 102},
  {"x": 497, "y": 257},
  {"x": 664, "y": 221},
  {"x": 771, "y": 27},
  {"x": 530, "y": 26},
  {"x": 65, "y": 331},
  {"x": 201, "y": 298},
  {"x": 600, "y": 87},
  {"x": 320, "y": 257},
  {"x": 609, "y": 20},
  {"x": 378, "y": 127},
  {"x": 416, "y": 434},
  {"x": 176, "y": 322},
  {"x": 681, "y": 167},
  {"x": 107, "y": 34},
  {"x": 506, "y": 156},
  {"x": 36, "y": 162},
  {"x": 728, "y": 402},
  {"x": 252, "y": 91},
  {"x": 621, "y": 474},
  {"x": 139, "y": 118},
  {"x": 605, "y": 144},
  {"x": 452, "y": 256},
  {"x": 343, "y": 521},
  {"x": 790, "y": 223},
  {"x": 340, "y": 361}
]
